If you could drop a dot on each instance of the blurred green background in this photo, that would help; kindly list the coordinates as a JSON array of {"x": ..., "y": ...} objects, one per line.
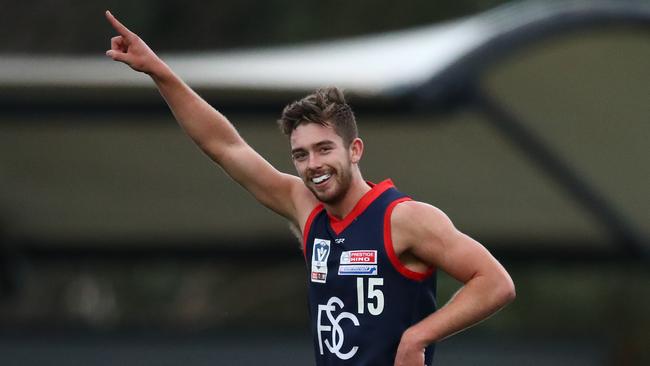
[{"x": 120, "y": 243}]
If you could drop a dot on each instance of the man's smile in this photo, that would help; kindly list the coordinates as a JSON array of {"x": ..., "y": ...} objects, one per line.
[{"x": 321, "y": 178}]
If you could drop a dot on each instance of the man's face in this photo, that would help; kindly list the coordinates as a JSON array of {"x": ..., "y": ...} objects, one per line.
[{"x": 322, "y": 161}]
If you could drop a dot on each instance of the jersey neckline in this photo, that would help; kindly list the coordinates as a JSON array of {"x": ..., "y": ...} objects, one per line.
[{"x": 338, "y": 225}]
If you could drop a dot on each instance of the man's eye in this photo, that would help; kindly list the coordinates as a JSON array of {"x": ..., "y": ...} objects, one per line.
[
  {"x": 299, "y": 156},
  {"x": 325, "y": 149}
]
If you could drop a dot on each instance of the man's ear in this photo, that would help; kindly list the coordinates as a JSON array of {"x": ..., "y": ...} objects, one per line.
[{"x": 356, "y": 150}]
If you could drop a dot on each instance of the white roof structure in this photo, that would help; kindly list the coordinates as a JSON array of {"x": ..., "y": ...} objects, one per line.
[{"x": 369, "y": 65}]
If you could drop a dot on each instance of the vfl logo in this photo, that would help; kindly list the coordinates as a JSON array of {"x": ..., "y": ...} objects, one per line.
[
  {"x": 337, "y": 337},
  {"x": 322, "y": 250},
  {"x": 319, "y": 255}
]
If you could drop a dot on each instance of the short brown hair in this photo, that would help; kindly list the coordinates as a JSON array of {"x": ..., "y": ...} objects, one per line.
[{"x": 325, "y": 106}]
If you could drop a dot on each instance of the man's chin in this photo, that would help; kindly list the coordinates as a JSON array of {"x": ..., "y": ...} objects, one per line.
[
  {"x": 321, "y": 196},
  {"x": 328, "y": 197},
  {"x": 332, "y": 193}
]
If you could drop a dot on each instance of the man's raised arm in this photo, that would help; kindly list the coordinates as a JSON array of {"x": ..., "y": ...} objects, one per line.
[{"x": 211, "y": 131}]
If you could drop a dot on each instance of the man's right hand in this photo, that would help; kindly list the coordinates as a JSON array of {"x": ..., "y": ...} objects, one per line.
[{"x": 128, "y": 48}]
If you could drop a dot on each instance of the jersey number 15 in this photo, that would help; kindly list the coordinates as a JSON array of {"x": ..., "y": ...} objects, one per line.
[{"x": 376, "y": 307}]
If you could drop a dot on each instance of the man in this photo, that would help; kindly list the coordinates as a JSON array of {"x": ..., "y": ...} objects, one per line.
[{"x": 370, "y": 250}]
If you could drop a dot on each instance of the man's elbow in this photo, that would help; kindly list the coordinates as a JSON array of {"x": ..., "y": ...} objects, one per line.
[{"x": 506, "y": 290}]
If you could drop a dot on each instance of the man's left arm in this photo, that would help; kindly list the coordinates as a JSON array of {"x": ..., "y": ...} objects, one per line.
[{"x": 427, "y": 234}]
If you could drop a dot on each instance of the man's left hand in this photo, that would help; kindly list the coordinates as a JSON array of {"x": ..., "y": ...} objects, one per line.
[{"x": 410, "y": 352}]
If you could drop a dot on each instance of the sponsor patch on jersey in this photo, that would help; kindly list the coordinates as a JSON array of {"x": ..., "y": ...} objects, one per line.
[
  {"x": 318, "y": 276},
  {"x": 319, "y": 254},
  {"x": 357, "y": 270},
  {"x": 359, "y": 257}
]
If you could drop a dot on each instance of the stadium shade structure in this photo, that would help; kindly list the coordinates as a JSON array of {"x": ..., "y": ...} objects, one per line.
[{"x": 439, "y": 68}]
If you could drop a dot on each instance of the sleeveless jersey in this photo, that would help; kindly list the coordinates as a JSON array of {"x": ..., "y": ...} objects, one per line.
[{"x": 361, "y": 298}]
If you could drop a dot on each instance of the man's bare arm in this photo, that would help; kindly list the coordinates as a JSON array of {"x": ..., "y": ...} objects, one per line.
[
  {"x": 428, "y": 234},
  {"x": 212, "y": 132}
]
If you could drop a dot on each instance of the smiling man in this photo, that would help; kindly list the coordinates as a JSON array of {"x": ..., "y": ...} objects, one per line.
[{"x": 371, "y": 251}]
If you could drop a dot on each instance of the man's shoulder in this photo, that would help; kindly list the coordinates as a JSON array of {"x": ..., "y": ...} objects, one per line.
[
  {"x": 418, "y": 217},
  {"x": 305, "y": 203},
  {"x": 410, "y": 209}
]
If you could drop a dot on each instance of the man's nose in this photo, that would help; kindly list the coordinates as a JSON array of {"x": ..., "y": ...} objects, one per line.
[{"x": 314, "y": 162}]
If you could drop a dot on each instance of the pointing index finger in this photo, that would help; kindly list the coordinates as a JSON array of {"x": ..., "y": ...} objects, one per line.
[{"x": 119, "y": 27}]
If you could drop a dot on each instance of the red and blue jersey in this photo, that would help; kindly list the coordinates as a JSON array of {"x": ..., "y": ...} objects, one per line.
[{"x": 361, "y": 297}]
